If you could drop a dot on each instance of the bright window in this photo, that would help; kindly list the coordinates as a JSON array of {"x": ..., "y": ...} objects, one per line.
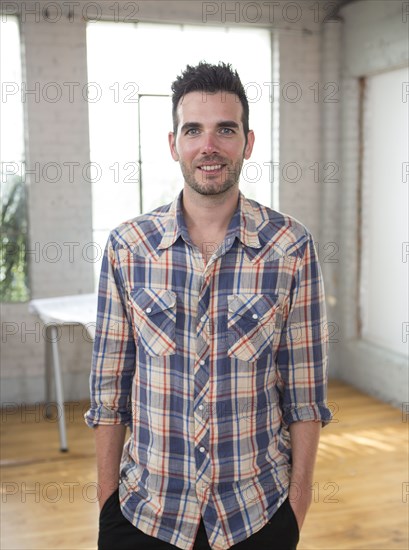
[
  {"x": 131, "y": 118},
  {"x": 13, "y": 264},
  {"x": 385, "y": 261}
]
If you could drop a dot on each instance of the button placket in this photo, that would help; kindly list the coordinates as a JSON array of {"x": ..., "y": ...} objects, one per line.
[{"x": 201, "y": 386}]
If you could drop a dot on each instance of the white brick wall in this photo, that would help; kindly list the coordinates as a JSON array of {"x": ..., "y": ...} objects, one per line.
[
  {"x": 309, "y": 135},
  {"x": 300, "y": 126},
  {"x": 330, "y": 186},
  {"x": 375, "y": 38},
  {"x": 23, "y": 358},
  {"x": 61, "y": 212},
  {"x": 57, "y": 132}
]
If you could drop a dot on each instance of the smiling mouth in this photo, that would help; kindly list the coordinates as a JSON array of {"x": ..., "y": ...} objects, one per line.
[{"x": 211, "y": 168}]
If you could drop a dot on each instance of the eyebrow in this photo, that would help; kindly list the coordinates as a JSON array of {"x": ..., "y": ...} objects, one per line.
[{"x": 221, "y": 124}]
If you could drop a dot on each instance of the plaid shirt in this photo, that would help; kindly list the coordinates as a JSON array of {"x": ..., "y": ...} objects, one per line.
[{"x": 208, "y": 366}]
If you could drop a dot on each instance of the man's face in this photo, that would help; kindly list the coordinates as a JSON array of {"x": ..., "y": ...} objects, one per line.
[{"x": 210, "y": 144}]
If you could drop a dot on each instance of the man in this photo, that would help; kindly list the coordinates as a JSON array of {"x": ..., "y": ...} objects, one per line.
[{"x": 211, "y": 346}]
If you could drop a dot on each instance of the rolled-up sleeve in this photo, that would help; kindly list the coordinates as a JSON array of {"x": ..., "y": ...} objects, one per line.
[
  {"x": 302, "y": 357},
  {"x": 113, "y": 356}
]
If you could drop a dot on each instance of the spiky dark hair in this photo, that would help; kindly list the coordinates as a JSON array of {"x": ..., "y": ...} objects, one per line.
[{"x": 205, "y": 77}]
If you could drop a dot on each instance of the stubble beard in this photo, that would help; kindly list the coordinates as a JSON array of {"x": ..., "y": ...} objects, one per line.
[{"x": 209, "y": 187}]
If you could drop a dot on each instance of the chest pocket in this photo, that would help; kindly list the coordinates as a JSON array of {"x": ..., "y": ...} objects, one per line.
[
  {"x": 251, "y": 320},
  {"x": 154, "y": 316}
]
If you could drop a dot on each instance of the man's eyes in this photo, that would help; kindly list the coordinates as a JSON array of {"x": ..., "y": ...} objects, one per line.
[{"x": 224, "y": 131}]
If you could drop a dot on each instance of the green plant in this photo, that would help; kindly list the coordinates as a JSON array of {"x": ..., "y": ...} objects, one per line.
[{"x": 13, "y": 240}]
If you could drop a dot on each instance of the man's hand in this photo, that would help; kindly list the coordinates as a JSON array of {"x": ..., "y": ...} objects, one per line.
[
  {"x": 304, "y": 445},
  {"x": 104, "y": 495},
  {"x": 300, "y": 500}
]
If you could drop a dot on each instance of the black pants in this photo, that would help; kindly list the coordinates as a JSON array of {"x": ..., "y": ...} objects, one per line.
[{"x": 115, "y": 531}]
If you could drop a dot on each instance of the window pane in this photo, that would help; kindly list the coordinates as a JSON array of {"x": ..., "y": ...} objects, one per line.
[
  {"x": 113, "y": 124},
  {"x": 384, "y": 288},
  {"x": 124, "y": 58},
  {"x": 11, "y": 127},
  {"x": 13, "y": 263},
  {"x": 159, "y": 186}
]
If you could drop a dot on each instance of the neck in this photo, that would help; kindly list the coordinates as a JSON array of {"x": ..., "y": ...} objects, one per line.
[{"x": 209, "y": 213}]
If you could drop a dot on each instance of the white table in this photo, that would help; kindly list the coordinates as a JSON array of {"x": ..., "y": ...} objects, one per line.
[{"x": 80, "y": 309}]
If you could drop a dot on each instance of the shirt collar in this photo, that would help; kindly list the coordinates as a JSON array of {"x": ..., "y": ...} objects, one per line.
[{"x": 244, "y": 224}]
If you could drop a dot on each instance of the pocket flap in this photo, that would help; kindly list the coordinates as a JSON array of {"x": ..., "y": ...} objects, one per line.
[
  {"x": 251, "y": 306},
  {"x": 153, "y": 300}
]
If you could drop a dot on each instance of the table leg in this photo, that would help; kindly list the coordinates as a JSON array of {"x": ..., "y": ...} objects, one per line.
[
  {"x": 48, "y": 363},
  {"x": 58, "y": 388}
]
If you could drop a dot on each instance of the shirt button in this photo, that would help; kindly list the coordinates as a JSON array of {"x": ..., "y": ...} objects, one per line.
[
  {"x": 202, "y": 362},
  {"x": 255, "y": 316},
  {"x": 202, "y": 449},
  {"x": 203, "y": 318},
  {"x": 201, "y": 407},
  {"x": 148, "y": 309}
]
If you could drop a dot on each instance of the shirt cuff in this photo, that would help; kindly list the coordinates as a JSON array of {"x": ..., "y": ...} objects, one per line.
[
  {"x": 306, "y": 412},
  {"x": 106, "y": 417}
]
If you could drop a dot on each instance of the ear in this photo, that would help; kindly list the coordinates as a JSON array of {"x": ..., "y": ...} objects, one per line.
[
  {"x": 250, "y": 143},
  {"x": 172, "y": 146}
]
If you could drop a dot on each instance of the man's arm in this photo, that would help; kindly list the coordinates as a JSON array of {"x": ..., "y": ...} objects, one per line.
[
  {"x": 112, "y": 371},
  {"x": 302, "y": 360},
  {"x": 109, "y": 442},
  {"x": 304, "y": 444}
]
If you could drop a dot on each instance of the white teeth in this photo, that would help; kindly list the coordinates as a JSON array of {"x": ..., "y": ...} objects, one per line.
[{"x": 210, "y": 168}]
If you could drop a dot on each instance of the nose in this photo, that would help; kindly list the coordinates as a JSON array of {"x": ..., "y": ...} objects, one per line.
[{"x": 209, "y": 144}]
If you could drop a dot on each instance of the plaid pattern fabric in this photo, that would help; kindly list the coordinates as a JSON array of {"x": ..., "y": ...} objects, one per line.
[{"x": 208, "y": 365}]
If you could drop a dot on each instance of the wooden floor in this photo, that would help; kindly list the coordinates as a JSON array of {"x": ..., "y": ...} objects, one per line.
[{"x": 361, "y": 488}]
